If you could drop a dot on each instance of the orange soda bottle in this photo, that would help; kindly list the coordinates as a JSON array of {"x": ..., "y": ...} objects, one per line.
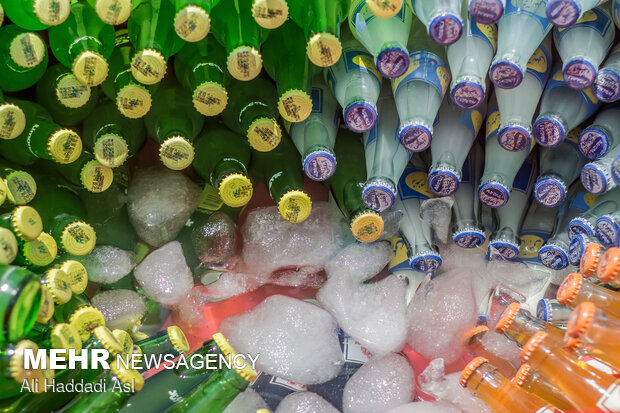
[
  {"x": 589, "y": 260},
  {"x": 519, "y": 325},
  {"x": 609, "y": 267},
  {"x": 528, "y": 379},
  {"x": 472, "y": 340},
  {"x": 574, "y": 290}
]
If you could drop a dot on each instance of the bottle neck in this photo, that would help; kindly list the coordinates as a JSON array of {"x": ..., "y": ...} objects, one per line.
[
  {"x": 37, "y": 137},
  {"x": 252, "y": 111},
  {"x": 207, "y": 72},
  {"x": 214, "y": 394},
  {"x": 158, "y": 344},
  {"x": 226, "y": 167},
  {"x": 282, "y": 182},
  {"x": 82, "y": 44},
  {"x": 523, "y": 328},
  {"x": 315, "y": 134},
  {"x": 476, "y": 348}
]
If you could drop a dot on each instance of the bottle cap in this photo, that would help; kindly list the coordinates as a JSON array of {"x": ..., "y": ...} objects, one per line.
[
  {"x": 416, "y": 136},
  {"x": 589, "y": 259},
  {"x": 270, "y": 14},
  {"x": 227, "y": 350},
  {"x": 509, "y": 315},
  {"x": 8, "y": 246},
  {"x": 57, "y": 282},
  {"x": 16, "y": 362},
  {"x": 295, "y": 206},
  {"x": 128, "y": 376},
  {"x": 27, "y": 50},
  {"x": 469, "y": 237},
  {"x": 295, "y": 105},
  {"x": 78, "y": 238},
  {"x": 384, "y": 8},
  {"x": 593, "y": 142},
  {"x": 467, "y": 336},
  {"x": 569, "y": 288},
  {"x": 113, "y": 12},
  {"x": 71, "y": 93},
  {"x": 486, "y": 11},
  {"x": 580, "y": 225},
  {"x": 192, "y": 23},
  {"x": 563, "y": 13},
  {"x": 26, "y": 223},
  {"x": 148, "y": 66},
  {"x": 138, "y": 335},
  {"x": 595, "y": 178},
  {"x": 78, "y": 277},
  {"x": 52, "y": 12},
  {"x": 12, "y": 121},
  {"x": 210, "y": 98},
  {"x": 42, "y": 251},
  {"x": 581, "y": 319},
  {"x": 64, "y": 336},
  {"x": 514, "y": 137},
  {"x": 90, "y": 68},
  {"x": 21, "y": 187},
  {"x": 244, "y": 63},
  {"x": 494, "y": 194},
  {"x": 467, "y": 94},
  {"x": 107, "y": 340},
  {"x": 124, "y": 339},
  {"x": 506, "y": 248},
  {"x": 324, "y": 49},
  {"x": 553, "y": 256},
  {"x": 606, "y": 86},
  {"x": 425, "y": 261},
  {"x": 3, "y": 191},
  {"x": 379, "y": 194},
  {"x": 393, "y": 60},
  {"x": 615, "y": 170},
  {"x": 235, "y": 190},
  {"x": 470, "y": 368},
  {"x": 579, "y": 73},
  {"x": 444, "y": 180},
  {"x": 360, "y": 116},
  {"x": 320, "y": 164},
  {"x": 543, "y": 309},
  {"x": 550, "y": 191},
  {"x": 85, "y": 320},
  {"x": 445, "y": 28},
  {"x": 264, "y": 134},
  {"x": 576, "y": 248},
  {"x": 133, "y": 101},
  {"x": 111, "y": 151},
  {"x": 178, "y": 339},
  {"x": 571, "y": 343},
  {"x": 609, "y": 267},
  {"x": 505, "y": 74},
  {"x": 367, "y": 226},
  {"x": 46, "y": 309},
  {"x": 549, "y": 131},
  {"x": 532, "y": 344},
  {"x": 176, "y": 153},
  {"x": 64, "y": 146},
  {"x": 96, "y": 177},
  {"x": 607, "y": 230},
  {"x": 521, "y": 374}
]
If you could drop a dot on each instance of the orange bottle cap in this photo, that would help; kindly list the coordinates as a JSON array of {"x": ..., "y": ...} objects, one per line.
[
  {"x": 571, "y": 343},
  {"x": 569, "y": 288},
  {"x": 473, "y": 332},
  {"x": 581, "y": 319},
  {"x": 507, "y": 318},
  {"x": 470, "y": 368},
  {"x": 532, "y": 344},
  {"x": 609, "y": 267},
  {"x": 521, "y": 374},
  {"x": 589, "y": 259}
]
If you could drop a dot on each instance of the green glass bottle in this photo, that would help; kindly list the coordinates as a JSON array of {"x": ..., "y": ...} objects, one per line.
[
  {"x": 200, "y": 67},
  {"x": 286, "y": 62},
  {"x": 84, "y": 318},
  {"x": 20, "y": 297},
  {"x": 235, "y": 28},
  {"x": 320, "y": 20},
  {"x": 78, "y": 277},
  {"x": 222, "y": 159},
  {"x": 280, "y": 170},
  {"x": 42, "y": 138},
  {"x": 88, "y": 173},
  {"x": 347, "y": 185},
  {"x": 112, "y": 12},
  {"x": 37, "y": 14},
  {"x": 20, "y": 185},
  {"x": 8, "y": 246},
  {"x": 24, "y": 222},
  {"x": 252, "y": 112},
  {"x": 38, "y": 253},
  {"x": 83, "y": 43},
  {"x": 1, "y": 14},
  {"x": 12, "y": 360},
  {"x": 152, "y": 34},
  {"x": 270, "y": 14},
  {"x": 12, "y": 119},
  {"x": 23, "y": 58},
  {"x": 65, "y": 97},
  {"x": 192, "y": 21},
  {"x": 132, "y": 98},
  {"x": 174, "y": 123}
]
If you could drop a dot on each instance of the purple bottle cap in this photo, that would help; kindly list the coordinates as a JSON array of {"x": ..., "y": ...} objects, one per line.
[
  {"x": 550, "y": 191},
  {"x": 607, "y": 231},
  {"x": 606, "y": 86},
  {"x": 467, "y": 94},
  {"x": 579, "y": 225},
  {"x": 469, "y": 238},
  {"x": 548, "y": 131},
  {"x": 320, "y": 165},
  {"x": 415, "y": 137},
  {"x": 379, "y": 194},
  {"x": 445, "y": 28},
  {"x": 426, "y": 261},
  {"x": 505, "y": 248},
  {"x": 576, "y": 248},
  {"x": 563, "y": 13},
  {"x": 486, "y": 11},
  {"x": 505, "y": 74},
  {"x": 579, "y": 73},
  {"x": 514, "y": 138},
  {"x": 360, "y": 116},
  {"x": 443, "y": 181},
  {"x": 493, "y": 194},
  {"x": 392, "y": 61},
  {"x": 594, "y": 179},
  {"x": 593, "y": 142},
  {"x": 553, "y": 256},
  {"x": 615, "y": 170}
]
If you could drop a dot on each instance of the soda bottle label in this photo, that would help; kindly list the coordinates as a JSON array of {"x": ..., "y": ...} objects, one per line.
[
  {"x": 528, "y": 7},
  {"x": 594, "y": 19},
  {"x": 610, "y": 402},
  {"x": 356, "y": 60},
  {"x": 426, "y": 67},
  {"x": 472, "y": 118},
  {"x": 486, "y": 32},
  {"x": 414, "y": 184},
  {"x": 400, "y": 258},
  {"x": 539, "y": 65},
  {"x": 522, "y": 180},
  {"x": 493, "y": 121},
  {"x": 583, "y": 201}
]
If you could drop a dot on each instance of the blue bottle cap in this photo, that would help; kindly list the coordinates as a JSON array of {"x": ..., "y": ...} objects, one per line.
[
  {"x": 579, "y": 73},
  {"x": 425, "y": 261},
  {"x": 548, "y": 131},
  {"x": 576, "y": 248},
  {"x": 550, "y": 191},
  {"x": 593, "y": 142},
  {"x": 505, "y": 74},
  {"x": 553, "y": 256},
  {"x": 505, "y": 248},
  {"x": 607, "y": 231},
  {"x": 360, "y": 116},
  {"x": 494, "y": 194},
  {"x": 392, "y": 61},
  {"x": 615, "y": 170},
  {"x": 446, "y": 28},
  {"x": 415, "y": 136},
  {"x": 469, "y": 238},
  {"x": 467, "y": 94},
  {"x": 514, "y": 138},
  {"x": 320, "y": 165},
  {"x": 563, "y": 13},
  {"x": 444, "y": 181},
  {"x": 379, "y": 194},
  {"x": 543, "y": 309},
  {"x": 486, "y": 11},
  {"x": 606, "y": 86},
  {"x": 594, "y": 178},
  {"x": 579, "y": 225}
]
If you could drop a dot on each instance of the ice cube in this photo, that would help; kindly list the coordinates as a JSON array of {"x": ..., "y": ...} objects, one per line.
[
  {"x": 426, "y": 407},
  {"x": 305, "y": 402},
  {"x": 248, "y": 401},
  {"x": 107, "y": 264},
  {"x": 122, "y": 309},
  {"x": 438, "y": 212},
  {"x": 214, "y": 240},
  {"x": 361, "y": 261}
]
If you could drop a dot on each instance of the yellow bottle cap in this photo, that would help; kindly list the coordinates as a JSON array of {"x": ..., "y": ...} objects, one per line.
[
  {"x": 324, "y": 49},
  {"x": 148, "y": 66},
  {"x": 85, "y": 320},
  {"x": 107, "y": 340},
  {"x": 178, "y": 339},
  {"x": 295, "y": 206},
  {"x": 16, "y": 362},
  {"x": 235, "y": 190},
  {"x": 52, "y": 12},
  {"x": 111, "y": 151},
  {"x": 64, "y": 146},
  {"x": 3, "y": 191},
  {"x": 65, "y": 336},
  {"x": 295, "y": 105},
  {"x": 270, "y": 14},
  {"x": 227, "y": 350},
  {"x": 46, "y": 309},
  {"x": 42, "y": 251},
  {"x": 262, "y": 411},
  {"x": 244, "y": 63},
  {"x": 78, "y": 238},
  {"x": 1, "y": 15},
  {"x": 57, "y": 282},
  {"x": 176, "y": 153},
  {"x": 124, "y": 339},
  {"x": 8, "y": 246},
  {"x": 133, "y": 101},
  {"x": 78, "y": 277},
  {"x": 128, "y": 376},
  {"x": 26, "y": 223},
  {"x": 210, "y": 98},
  {"x": 367, "y": 227},
  {"x": 71, "y": 93},
  {"x": 264, "y": 134},
  {"x": 27, "y": 50},
  {"x": 21, "y": 187},
  {"x": 96, "y": 177},
  {"x": 384, "y": 8},
  {"x": 12, "y": 121},
  {"x": 90, "y": 68},
  {"x": 192, "y": 23},
  {"x": 113, "y": 12},
  {"x": 138, "y": 336}
]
